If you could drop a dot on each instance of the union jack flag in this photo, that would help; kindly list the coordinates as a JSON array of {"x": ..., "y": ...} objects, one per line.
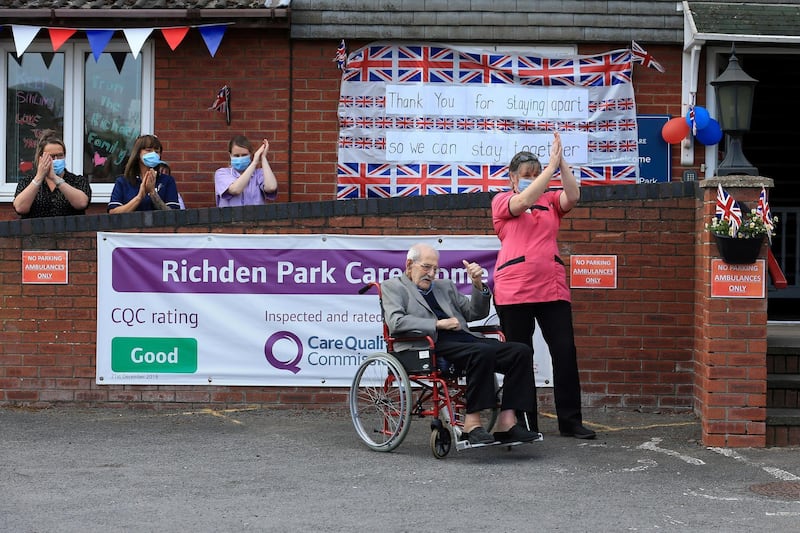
[
  {"x": 363, "y": 180},
  {"x": 404, "y": 123},
  {"x": 341, "y": 55},
  {"x": 762, "y": 210},
  {"x": 542, "y": 71},
  {"x": 425, "y": 176},
  {"x": 727, "y": 208},
  {"x": 483, "y": 177},
  {"x": 444, "y": 123},
  {"x": 606, "y": 69},
  {"x": 624, "y": 104},
  {"x": 222, "y": 103},
  {"x": 383, "y": 122},
  {"x": 373, "y": 63},
  {"x": 430, "y": 64},
  {"x": 486, "y": 68},
  {"x": 424, "y": 123},
  {"x": 606, "y": 175},
  {"x": 466, "y": 123},
  {"x": 640, "y": 55}
]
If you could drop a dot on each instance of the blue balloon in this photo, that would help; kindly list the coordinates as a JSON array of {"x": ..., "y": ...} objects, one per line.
[
  {"x": 711, "y": 134},
  {"x": 701, "y": 117}
]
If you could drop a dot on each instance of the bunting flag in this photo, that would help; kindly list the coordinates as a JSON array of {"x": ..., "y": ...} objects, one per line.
[
  {"x": 23, "y": 37},
  {"x": 174, "y": 36},
  {"x": 728, "y": 209},
  {"x": 136, "y": 38},
  {"x": 223, "y": 103},
  {"x": 58, "y": 36},
  {"x": 763, "y": 210},
  {"x": 418, "y": 119},
  {"x": 341, "y": 55},
  {"x": 98, "y": 39},
  {"x": 640, "y": 55},
  {"x": 212, "y": 36}
]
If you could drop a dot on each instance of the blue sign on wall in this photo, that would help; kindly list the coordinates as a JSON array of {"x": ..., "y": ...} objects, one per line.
[{"x": 655, "y": 159}]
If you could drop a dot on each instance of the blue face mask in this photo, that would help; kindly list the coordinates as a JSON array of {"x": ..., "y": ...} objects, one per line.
[
  {"x": 523, "y": 184},
  {"x": 151, "y": 159},
  {"x": 59, "y": 165},
  {"x": 240, "y": 163}
]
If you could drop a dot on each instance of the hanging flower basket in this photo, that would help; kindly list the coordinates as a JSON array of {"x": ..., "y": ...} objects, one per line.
[{"x": 739, "y": 251}]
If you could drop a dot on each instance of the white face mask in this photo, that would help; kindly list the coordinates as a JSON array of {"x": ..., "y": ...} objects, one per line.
[{"x": 523, "y": 184}]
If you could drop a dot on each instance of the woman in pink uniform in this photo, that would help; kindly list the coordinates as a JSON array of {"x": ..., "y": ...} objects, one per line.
[{"x": 530, "y": 279}]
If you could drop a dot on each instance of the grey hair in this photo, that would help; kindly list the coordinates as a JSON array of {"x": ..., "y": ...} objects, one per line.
[{"x": 415, "y": 252}]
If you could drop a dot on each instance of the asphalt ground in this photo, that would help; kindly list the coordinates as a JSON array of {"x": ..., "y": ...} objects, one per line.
[{"x": 65, "y": 470}]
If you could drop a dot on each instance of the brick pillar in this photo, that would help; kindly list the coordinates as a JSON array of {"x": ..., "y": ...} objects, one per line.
[{"x": 730, "y": 384}]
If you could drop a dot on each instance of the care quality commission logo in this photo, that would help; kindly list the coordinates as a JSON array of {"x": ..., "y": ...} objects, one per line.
[{"x": 284, "y": 351}]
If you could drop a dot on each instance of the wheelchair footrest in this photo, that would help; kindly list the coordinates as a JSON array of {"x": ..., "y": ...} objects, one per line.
[{"x": 465, "y": 444}]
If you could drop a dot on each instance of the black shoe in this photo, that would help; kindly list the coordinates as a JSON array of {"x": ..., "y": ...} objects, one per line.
[
  {"x": 579, "y": 432},
  {"x": 517, "y": 433},
  {"x": 478, "y": 435}
]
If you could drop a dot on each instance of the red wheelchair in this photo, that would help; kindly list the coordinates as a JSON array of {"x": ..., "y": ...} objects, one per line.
[{"x": 389, "y": 388}]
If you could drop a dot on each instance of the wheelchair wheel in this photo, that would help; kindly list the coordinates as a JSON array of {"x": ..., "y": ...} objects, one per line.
[
  {"x": 441, "y": 441},
  {"x": 380, "y": 402}
]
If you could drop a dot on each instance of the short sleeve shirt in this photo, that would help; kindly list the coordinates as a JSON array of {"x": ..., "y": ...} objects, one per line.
[
  {"x": 252, "y": 194},
  {"x": 53, "y": 203},
  {"x": 124, "y": 192},
  {"x": 528, "y": 268}
]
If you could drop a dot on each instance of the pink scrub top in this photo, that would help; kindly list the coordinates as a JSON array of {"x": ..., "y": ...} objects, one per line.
[{"x": 528, "y": 268}]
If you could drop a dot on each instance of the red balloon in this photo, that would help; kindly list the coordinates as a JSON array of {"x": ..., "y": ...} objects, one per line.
[{"x": 675, "y": 130}]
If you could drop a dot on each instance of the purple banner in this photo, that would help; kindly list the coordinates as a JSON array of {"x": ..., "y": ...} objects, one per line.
[{"x": 272, "y": 271}]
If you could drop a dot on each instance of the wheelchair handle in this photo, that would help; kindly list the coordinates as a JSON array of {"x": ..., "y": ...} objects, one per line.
[{"x": 368, "y": 286}]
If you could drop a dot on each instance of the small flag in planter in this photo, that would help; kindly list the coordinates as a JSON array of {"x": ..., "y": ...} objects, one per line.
[
  {"x": 727, "y": 208},
  {"x": 762, "y": 210},
  {"x": 223, "y": 103}
]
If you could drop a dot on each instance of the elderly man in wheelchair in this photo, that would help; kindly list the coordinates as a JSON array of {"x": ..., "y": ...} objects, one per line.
[{"x": 418, "y": 303}]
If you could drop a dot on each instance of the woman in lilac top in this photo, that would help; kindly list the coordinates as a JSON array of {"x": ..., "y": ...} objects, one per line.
[
  {"x": 243, "y": 183},
  {"x": 531, "y": 278}
]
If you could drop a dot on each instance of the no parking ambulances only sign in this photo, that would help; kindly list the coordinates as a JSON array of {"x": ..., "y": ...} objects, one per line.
[
  {"x": 593, "y": 271},
  {"x": 738, "y": 281},
  {"x": 45, "y": 266}
]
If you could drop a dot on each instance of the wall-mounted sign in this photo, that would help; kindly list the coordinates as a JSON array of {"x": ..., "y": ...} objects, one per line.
[
  {"x": 593, "y": 271},
  {"x": 655, "y": 158},
  {"x": 738, "y": 281},
  {"x": 45, "y": 266}
]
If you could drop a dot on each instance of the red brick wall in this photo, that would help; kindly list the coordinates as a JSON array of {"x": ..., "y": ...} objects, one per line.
[
  {"x": 730, "y": 364},
  {"x": 635, "y": 342}
]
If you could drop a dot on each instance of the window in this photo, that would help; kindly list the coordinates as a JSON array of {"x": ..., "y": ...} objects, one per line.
[{"x": 97, "y": 107}]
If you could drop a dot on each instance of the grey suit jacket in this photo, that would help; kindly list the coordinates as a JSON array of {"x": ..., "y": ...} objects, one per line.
[{"x": 408, "y": 314}]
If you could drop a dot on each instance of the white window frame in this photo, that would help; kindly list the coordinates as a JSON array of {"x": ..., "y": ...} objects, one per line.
[{"x": 73, "y": 104}]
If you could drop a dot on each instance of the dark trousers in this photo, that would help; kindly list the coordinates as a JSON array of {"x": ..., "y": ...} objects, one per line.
[
  {"x": 555, "y": 320},
  {"x": 480, "y": 358}
]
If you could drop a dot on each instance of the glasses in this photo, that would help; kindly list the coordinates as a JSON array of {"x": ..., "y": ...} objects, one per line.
[
  {"x": 524, "y": 158},
  {"x": 428, "y": 268}
]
